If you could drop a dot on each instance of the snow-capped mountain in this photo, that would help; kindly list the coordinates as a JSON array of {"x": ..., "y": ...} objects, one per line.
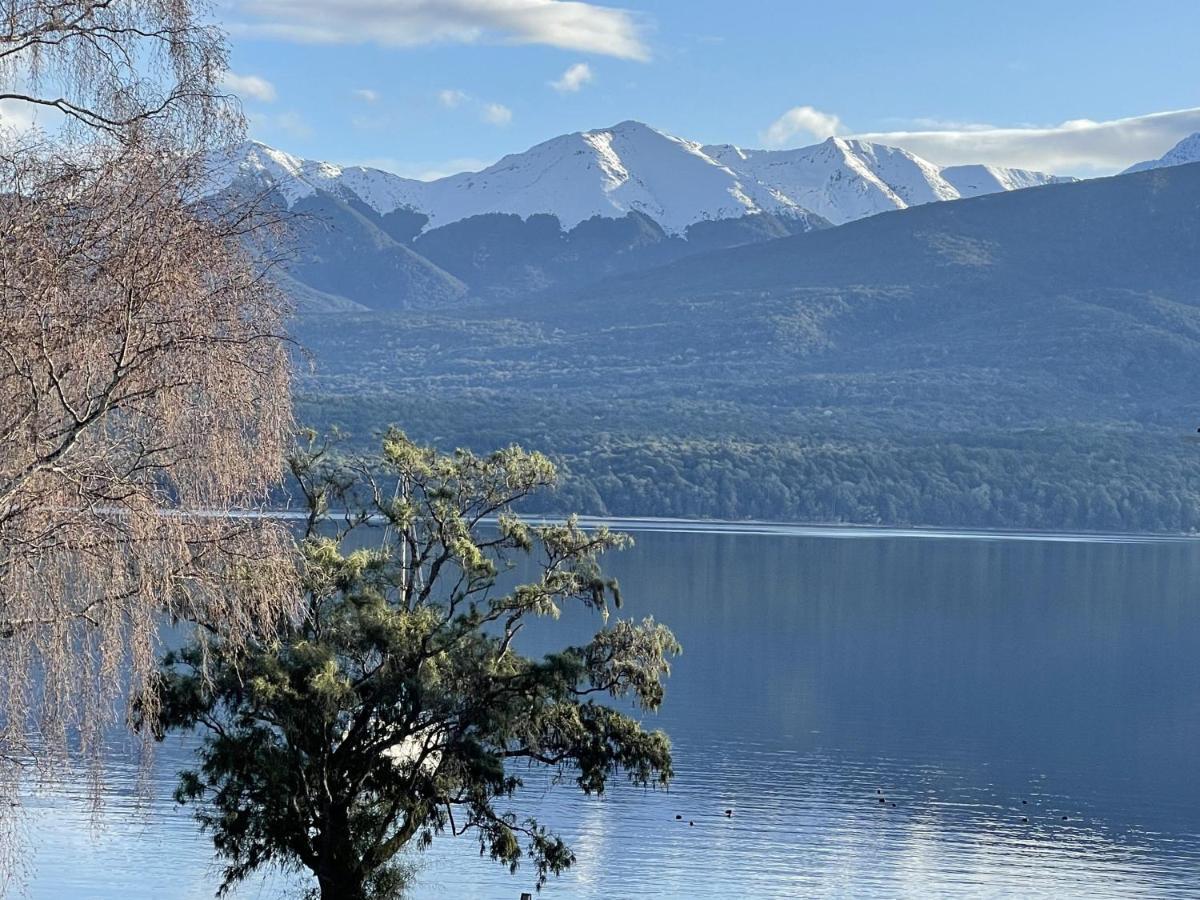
[
  {"x": 1186, "y": 151},
  {"x": 841, "y": 179},
  {"x": 632, "y": 167},
  {"x": 609, "y": 172},
  {"x": 974, "y": 181}
]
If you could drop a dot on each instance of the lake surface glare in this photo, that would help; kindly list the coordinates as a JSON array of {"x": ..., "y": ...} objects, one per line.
[{"x": 1027, "y": 710}]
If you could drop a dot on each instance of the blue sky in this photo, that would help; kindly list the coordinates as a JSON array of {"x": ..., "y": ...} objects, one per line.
[{"x": 432, "y": 86}]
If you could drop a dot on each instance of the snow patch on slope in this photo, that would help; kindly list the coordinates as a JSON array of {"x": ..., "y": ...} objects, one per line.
[
  {"x": 1186, "y": 151},
  {"x": 973, "y": 181},
  {"x": 632, "y": 167},
  {"x": 608, "y": 172},
  {"x": 842, "y": 179}
]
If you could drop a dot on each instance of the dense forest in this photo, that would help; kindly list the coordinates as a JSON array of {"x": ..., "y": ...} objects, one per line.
[{"x": 1070, "y": 477}]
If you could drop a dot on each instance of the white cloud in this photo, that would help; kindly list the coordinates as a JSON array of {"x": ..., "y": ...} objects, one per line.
[
  {"x": 450, "y": 98},
  {"x": 1080, "y": 146},
  {"x": 573, "y": 79},
  {"x": 492, "y": 113},
  {"x": 569, "y": 24},
  {"x": 17, "y": 117},
  {"x": 803, "y": 122},
  {"x": 926, "y": 123},
  {"x": 253, "y": 87},
  {"x": 367, "y": 95},
  {"x": 293, "y": 123},
  {"x": 496, "y": 114},
  {"x": 290, "y": 123}
]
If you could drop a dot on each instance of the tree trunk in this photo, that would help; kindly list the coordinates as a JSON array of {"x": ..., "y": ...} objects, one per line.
[{"x": 341, "y": 882}]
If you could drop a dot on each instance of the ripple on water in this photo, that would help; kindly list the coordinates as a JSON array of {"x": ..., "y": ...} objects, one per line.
[{"x": 953, "y": 678}]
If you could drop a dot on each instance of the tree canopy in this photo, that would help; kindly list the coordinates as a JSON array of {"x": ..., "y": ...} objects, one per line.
[
  {"x": 399, "y": 706},
  {"x": 144, "y": 370}
]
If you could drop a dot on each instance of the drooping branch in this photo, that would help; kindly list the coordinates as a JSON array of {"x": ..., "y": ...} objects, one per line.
[
  {"x": 144, "y": 372},
  {"x": 114, "y": 65}
]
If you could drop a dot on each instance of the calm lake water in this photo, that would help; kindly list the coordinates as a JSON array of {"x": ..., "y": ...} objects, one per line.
[{"x": 973, "y": 683}]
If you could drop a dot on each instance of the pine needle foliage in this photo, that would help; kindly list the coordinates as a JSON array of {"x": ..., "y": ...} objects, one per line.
[{"x": 399, "y": 708}]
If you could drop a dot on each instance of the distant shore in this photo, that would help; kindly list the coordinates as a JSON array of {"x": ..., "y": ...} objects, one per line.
[{"x": 668, "y": 525}]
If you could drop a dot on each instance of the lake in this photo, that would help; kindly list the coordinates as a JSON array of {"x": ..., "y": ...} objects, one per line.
[{"x": 1027, "y": 708}]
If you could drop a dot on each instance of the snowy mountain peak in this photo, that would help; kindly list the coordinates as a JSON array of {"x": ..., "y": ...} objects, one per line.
[
  {"x": 632, "y": 167},
  {"x": 841, "y": 179},
  {"x": 632, "y": 126},
  {"x": 1186, "y": 151},
  {"x": 292, "y": 176}
]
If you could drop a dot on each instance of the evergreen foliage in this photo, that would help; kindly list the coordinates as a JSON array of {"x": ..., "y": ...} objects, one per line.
[{"x": 398, "y": 707}]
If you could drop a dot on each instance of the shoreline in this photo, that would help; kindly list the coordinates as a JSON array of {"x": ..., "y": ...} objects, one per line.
[{"x": 669, "y": 525}]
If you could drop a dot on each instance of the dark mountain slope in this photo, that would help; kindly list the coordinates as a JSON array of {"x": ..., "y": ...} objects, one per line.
[
  {"x": 1090, "y": 289},
  {"x": 343, "y": 251},
  {"x": 1030, "y": 358},
  {"x": 505, "y": 256},
  {"x": 1111, "y": 232},
  {"x": 386, "y": 263}
]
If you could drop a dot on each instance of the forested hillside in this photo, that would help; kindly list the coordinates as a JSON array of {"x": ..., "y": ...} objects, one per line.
[{"x": 1030, "y": 359}]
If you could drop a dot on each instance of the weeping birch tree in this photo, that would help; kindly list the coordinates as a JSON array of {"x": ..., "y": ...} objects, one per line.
[{"x": 144, "y": 386}]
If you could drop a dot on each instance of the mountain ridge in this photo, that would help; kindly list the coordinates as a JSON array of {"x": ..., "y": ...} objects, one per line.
[
  {"x": 1027, "y": 359},
  {"x": 1185, "y": 152},
  {"x": 634, "y": 168},
  {"x": 963, "y": 245}
]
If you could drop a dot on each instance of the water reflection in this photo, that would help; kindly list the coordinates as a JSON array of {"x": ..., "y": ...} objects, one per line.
[{"x": 974, "y": 684}]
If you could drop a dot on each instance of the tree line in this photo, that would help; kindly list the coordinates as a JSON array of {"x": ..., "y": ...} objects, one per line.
[{"x": 669, "y": 461}]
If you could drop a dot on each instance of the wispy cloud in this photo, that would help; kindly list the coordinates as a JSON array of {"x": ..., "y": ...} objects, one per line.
[
  {"x": 496, "y": 114},
  {"x": 928, "y": 123},
  {"x": 492, "y": 113},
  {"x": 290, "y": 123},
  {"x": 253, "y": 87},
  {"x": 16, "y": 116},
  {"x": 569, "y": 24},
  {"x": 452, "y": 97},
  {"x": 1080, "y": 146},
  {"x": 367, "y": 95},
  {"x": 573, "y": 79},
  {"x": 799, "y": 125}
]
